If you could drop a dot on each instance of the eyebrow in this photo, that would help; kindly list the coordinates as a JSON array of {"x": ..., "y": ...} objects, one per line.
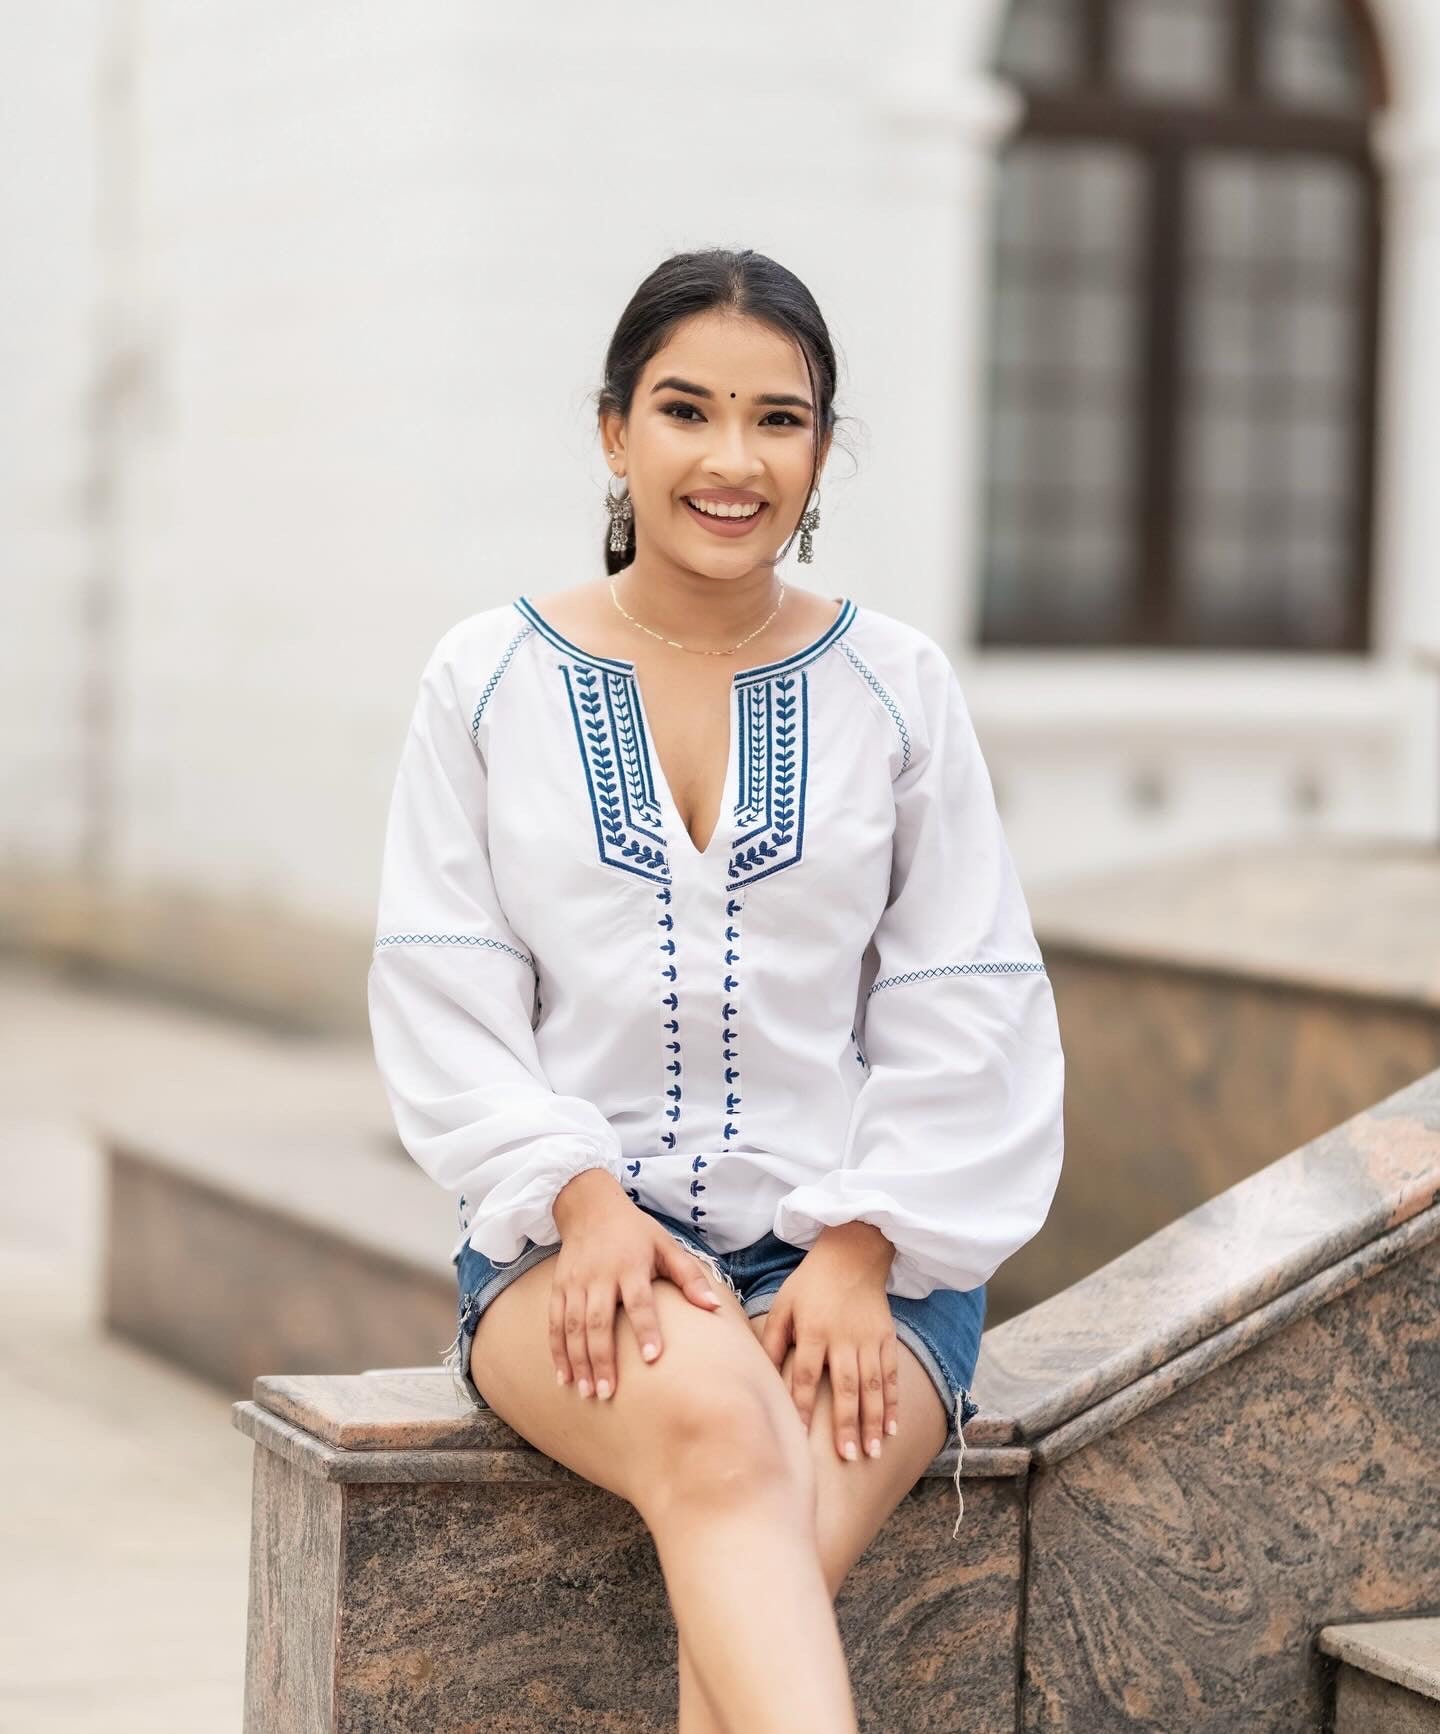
[{"x": 776, "y": 397}]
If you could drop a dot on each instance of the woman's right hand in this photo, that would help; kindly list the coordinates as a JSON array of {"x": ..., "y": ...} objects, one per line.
[{"x": 611, "y": 1249}]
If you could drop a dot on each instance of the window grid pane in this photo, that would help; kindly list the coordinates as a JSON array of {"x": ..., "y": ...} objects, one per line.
[
  {"x": 1041, "y": 42},
  {"x": 1060, "y": 503},
  {"x": 1309, "y": 55},
  {"x": 1268, "y": 467},
  {"x": 1169, "y": 48},
  {"x": 1256, "y": 320}
]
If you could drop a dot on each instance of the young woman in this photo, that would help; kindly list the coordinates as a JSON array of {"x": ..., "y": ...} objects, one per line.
[{"x": 704, "y": 980}]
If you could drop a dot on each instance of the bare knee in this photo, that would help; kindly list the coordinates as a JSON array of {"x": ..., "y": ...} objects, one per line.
[{"x": 723, "y": 1442}]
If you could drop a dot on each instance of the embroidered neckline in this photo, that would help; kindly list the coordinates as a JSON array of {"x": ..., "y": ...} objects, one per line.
[{"x": 739, "y": 677}]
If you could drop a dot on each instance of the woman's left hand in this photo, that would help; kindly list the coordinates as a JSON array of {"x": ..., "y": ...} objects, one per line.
[{"x": 833, "y": 1306}]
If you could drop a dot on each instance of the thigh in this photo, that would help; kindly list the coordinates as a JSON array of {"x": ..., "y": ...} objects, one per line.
[
  {"x": 854, "y": 1500},
  {"x": 622, "y": 1442}
]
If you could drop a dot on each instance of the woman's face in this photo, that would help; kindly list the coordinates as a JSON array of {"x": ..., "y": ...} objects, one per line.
[{"x": 699, "y": 425}]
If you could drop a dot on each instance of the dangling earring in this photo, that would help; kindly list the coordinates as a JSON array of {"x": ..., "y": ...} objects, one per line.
[
  {"x": 622, "y": 514},
  {"x": 809, "y": 523}
]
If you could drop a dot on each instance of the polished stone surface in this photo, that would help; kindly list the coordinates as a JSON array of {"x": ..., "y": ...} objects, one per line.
[
  {"x": 494, "y": 1586},
  {"x": 1216, "y": 1012},
  {"x": 1215, "y": 1265},
  {"x": 1346, "y": 915},
  {"x": 1180, "y": 1566}
]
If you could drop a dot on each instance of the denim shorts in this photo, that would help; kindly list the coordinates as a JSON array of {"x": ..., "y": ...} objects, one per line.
[{"x": 943, "y": 1329}]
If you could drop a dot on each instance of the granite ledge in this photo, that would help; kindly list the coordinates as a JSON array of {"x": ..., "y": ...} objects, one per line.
[
  {"x": 1258, "y": 1240},
  {"x": 521, "y": 1462}
]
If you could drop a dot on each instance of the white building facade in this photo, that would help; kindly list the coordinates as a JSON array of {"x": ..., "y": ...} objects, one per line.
[{"x": 306, "y": 311}]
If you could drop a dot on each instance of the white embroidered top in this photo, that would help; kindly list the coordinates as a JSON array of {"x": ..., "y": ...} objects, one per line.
[{"x": 836, "y": 1011}]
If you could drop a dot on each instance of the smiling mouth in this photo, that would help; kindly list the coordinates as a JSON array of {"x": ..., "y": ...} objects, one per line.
[{"x": 725, "y": 517}]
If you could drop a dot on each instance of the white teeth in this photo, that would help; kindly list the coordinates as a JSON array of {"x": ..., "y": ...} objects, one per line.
[{"x": 716, "y": 509}]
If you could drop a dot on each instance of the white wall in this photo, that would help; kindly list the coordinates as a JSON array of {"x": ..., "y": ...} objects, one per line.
[
  {"x": 49, "y": 554},
  {"x": 350, "y": 270}
]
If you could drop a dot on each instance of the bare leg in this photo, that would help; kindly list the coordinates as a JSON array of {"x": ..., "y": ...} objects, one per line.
[
  {"x": 738, "y": 1550},
  {"x": 855, "y": 1500},
  {"x": 698, "y": 1715},
  {"x": 707, "y": 1445}
]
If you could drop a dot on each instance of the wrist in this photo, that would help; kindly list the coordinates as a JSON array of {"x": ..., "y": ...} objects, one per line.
[
  {"x": 588, "y": 1190},
  {"x": 862, "y": 1243}
]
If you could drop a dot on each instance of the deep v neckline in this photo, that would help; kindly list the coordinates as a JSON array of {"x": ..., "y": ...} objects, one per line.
[{"x": 674, "y": 824}]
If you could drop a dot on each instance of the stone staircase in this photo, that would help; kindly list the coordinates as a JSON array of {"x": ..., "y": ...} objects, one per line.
[
  {"x": 1388, "y": 1676},
  {"x": 1187, "y": 1467}
]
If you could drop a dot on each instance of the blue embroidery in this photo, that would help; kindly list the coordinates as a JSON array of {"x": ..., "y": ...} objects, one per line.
[
  {"x": 774, "y": 758},
  {"x": 494, "y": 679},
  {"x": 696, "y": 1188},
  {"x": 671, "y": 1026},
  {"x": 957, "y": 969},
  {"x": 453, "y": 939},
  {"x": 730, "y": 1012},
  {"x": 866, "y": 673},
  {"x": 617, "y": 767}
]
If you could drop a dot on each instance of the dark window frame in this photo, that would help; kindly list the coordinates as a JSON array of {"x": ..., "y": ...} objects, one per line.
[{"x": 1163, "y": 134}]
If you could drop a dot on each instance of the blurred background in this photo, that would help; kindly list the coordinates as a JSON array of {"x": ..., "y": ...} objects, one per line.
[{"x": 302, "y": 313}]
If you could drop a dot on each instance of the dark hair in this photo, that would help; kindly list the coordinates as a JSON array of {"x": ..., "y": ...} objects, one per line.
[{"x": 744, "y": 282}]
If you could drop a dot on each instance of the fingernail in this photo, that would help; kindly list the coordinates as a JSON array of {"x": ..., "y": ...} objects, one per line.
[
  {"x": 890, "y": 1425},
  {"x": 711, "y": 1295},
  {"x": 650, "y": 1350},
  {"x": 873, "y": 1447},
  {"x": 559, "y": 1375},
  {"x": 850, "y": 1450},
  {"x": 584, "y": 1387},
  {"x": 603, "y": 1388}
]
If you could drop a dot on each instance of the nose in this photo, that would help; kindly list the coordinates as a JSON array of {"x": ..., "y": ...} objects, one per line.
[{"x": 730, "y": 459}]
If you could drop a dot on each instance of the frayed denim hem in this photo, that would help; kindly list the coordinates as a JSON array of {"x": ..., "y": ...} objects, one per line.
[
  {"x": 708, "y": 1259},
  {"x": 454, "y": 1357}
]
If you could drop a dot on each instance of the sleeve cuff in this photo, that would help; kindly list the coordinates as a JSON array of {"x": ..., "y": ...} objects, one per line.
[{"x": 525, "y": 1214}]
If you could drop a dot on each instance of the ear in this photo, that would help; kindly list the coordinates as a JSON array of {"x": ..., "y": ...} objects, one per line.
[{"x": 612, "y": 434}]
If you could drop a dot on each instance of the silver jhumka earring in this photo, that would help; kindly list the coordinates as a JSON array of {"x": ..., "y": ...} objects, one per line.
[
  {"x": 808, "y": 524},
  {"x": 622, "y": 515}
]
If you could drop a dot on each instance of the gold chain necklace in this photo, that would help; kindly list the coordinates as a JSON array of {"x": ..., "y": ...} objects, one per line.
[{"x": 733, "y": 648}]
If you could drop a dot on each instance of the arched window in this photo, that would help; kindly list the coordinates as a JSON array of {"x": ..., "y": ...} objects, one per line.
[{"x": 1182, "y": 390}]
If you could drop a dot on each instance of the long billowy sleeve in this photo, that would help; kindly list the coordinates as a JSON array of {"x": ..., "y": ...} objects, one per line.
[
  {"x": 452, "y": 999},
  {"x": 956, "y": 1136}
]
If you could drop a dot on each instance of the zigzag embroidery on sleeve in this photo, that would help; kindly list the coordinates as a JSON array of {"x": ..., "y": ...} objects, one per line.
[
  {"x": 453, "y": 939},
  {"x": 882, "y": 692},
  {"x": 958, "y": 969}
]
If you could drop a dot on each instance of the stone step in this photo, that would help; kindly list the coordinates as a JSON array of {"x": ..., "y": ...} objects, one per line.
[
  {"x": 1388, "y": 1676},
  {"x": 241, "y": 1241}
]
